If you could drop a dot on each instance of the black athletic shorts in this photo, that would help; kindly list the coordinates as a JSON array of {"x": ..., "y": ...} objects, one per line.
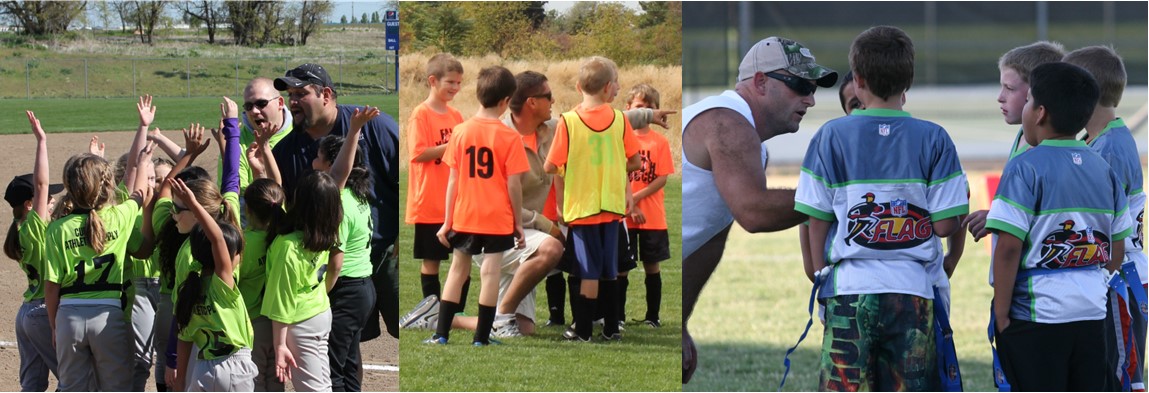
[
  {"x": 649, "y": 245},
  {"x": 475, "y": 244},
  {"x": 427, "y": 245}
]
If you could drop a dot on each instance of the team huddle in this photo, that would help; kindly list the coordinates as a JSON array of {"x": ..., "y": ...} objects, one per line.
[
  {"x": 527, "y": 197},
  {"x": 879, "y": 189},
  {"x": 238, "y": 283}
]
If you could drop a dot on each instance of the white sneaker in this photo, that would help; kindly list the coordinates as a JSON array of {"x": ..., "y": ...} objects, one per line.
[
  {"x": 506, "y": 328},
  {"x": 424, "y": 316}
]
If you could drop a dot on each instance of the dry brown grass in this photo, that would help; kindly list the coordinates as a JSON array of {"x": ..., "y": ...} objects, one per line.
[{"x": 561, "y": 76}]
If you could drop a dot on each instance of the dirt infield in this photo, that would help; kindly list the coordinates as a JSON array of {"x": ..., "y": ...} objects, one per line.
[{"x": 18, "y": 154}]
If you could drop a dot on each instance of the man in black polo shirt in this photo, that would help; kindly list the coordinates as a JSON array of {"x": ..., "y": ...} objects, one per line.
[{"x": 315, "y": 115}]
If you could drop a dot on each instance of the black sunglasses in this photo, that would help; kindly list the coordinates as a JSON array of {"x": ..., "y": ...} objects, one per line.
[
  {"x": 261, "y": 103},
  {"x": 798, "y": 85},
  {"x": 546, "y": 95},
  {"x": 177, "y": 210}
]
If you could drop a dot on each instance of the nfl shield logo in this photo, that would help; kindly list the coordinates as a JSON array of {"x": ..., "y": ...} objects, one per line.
[
  {"x": 899, "y": 207},
  {"x": 884, "y": 129},
  {"x": 1077, "y": 158}
]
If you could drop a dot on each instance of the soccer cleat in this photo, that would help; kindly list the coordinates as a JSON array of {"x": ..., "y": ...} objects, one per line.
[
  {"x": 617, "y": 337},
  {"x": 602, "y": 321},
  {"x": 490, "y": 341},
  {"x": 436, "y": 340},
  {"x": 506, "y": 328},
  {"x": 570, "y": 334},
  {"x": 552, "y": 323},
  {"x": 654, "y": 323},
  {"x": 421, "y": 317}
]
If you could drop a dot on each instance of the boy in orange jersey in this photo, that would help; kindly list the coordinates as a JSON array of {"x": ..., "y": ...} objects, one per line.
[
  {"x": 484, "y": 194},
  {"x": 594, "y": 148},
  {"x": 646, "y": 223},
  {"x": 429, "y": 130}
]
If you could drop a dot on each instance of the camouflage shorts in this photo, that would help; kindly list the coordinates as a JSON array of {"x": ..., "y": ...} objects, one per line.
[{"x": 878, "y": 342}]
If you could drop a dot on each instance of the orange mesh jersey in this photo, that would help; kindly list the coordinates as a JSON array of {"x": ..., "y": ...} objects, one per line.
[
  {"x": 484, "y": 152},
  {"x": 656, "y": 161},
  {"x": 427, "y": 181}
]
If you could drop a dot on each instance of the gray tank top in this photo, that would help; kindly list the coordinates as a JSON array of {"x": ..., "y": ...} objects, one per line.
[{"x": 704, "y": 213}]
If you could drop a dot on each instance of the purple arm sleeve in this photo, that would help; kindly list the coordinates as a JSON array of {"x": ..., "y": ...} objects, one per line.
[
  {"x": 230, "y": 180},
  {"x": 170, "y": 351}
]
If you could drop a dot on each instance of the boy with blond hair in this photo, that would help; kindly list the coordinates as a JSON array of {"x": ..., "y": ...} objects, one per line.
[
  {"x": 429, "y": 130},
  {"x": 873, "y": 228},
  {"x": 1061, "y": 222},
  {"x": 484, "y": 196},
  {"x": 593, "y": 151},
  {"x": 649, "y": 240},
  {"x": 1107, "y": 135}
]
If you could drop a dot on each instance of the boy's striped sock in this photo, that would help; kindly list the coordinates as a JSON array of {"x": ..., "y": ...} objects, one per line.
[
  {"x": 556, "y": 299},
  {"x": 486, "y": 320},
  {"x": 653, "y": 296},
  {"x": 430, "y": 285},
  {"x": 447, "y": 312}
]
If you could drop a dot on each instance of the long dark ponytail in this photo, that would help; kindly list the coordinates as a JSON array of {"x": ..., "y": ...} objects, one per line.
[{"x": 191, "y": 293}]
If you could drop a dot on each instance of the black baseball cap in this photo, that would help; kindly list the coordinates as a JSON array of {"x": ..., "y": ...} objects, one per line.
[
  {"x": 21, "y": 188},
  {"x": 306, "y": 74}
]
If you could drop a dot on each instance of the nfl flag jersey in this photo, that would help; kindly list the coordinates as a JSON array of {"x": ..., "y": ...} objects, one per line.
[
  {"x": 1116, "y": 145},
  {"x": 882, "y": 178},
  {"x": 1068, "y": 207}
]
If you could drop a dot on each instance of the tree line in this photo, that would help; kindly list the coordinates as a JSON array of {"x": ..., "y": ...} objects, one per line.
[
  {"x": 525, "y": 30},
  {"x": 250, "y": 23}
]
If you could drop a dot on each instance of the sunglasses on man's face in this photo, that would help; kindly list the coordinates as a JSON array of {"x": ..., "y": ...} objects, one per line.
[
  {"x": 798, "y": 85},
  {"x": 247, "y": 106},
  {"x": 546, "y": 95}
]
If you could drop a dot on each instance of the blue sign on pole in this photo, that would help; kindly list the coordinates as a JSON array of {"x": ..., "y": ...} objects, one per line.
[{"x": 391, "y": 29}]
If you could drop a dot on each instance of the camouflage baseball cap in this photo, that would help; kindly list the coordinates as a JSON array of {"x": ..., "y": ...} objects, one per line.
[{"x": 774, "y": 53}]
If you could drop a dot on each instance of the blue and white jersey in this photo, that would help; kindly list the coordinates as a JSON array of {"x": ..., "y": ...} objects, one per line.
[
  {"x": 1067, "y": 207},
  {"x": 1116, "y": 145},
  {"x": 882, "y": 178}
]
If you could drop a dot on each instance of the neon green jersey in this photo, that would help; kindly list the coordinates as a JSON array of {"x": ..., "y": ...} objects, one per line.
[
  {"x": 140, "y": 268},
  {"x": 252, "y": 270},
  {"x": 160, "y": 217},
  {"x": 82, "y": 272},
  {"x": 355, "y": 237},
  {"x": 295, "y": 288},
  {"x": 32, "y": 240},
  {"x": 219, "y": 326}
]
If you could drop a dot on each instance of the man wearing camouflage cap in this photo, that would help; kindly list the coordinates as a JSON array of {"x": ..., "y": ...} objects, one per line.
[{"x": 724, "y": 159}]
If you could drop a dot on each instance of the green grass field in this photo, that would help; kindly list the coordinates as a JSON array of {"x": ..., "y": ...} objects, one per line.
[
  {"x": 754, "y": 308},
  {"x": 646, "y": 360},
  {"x": 119, "y": 114}
]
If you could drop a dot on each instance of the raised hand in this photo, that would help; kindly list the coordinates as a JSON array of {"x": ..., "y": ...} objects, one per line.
[
  {"x": 182, "y": 193},
  {"x": 95, "y": 147},
  {"x": 37, "y": 130},
  {"x": 194, "y": 141},
  {"x": 228, "y": 109},
  {"x": 147, "y": 111},
  {"x": 360, "y": 118},
  {"x": 255, "y": 154},
  {"x": 263, "y": 133}
]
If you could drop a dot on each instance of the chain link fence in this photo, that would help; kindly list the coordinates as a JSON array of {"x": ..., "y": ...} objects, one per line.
[{"x": 182, "y": 77}]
